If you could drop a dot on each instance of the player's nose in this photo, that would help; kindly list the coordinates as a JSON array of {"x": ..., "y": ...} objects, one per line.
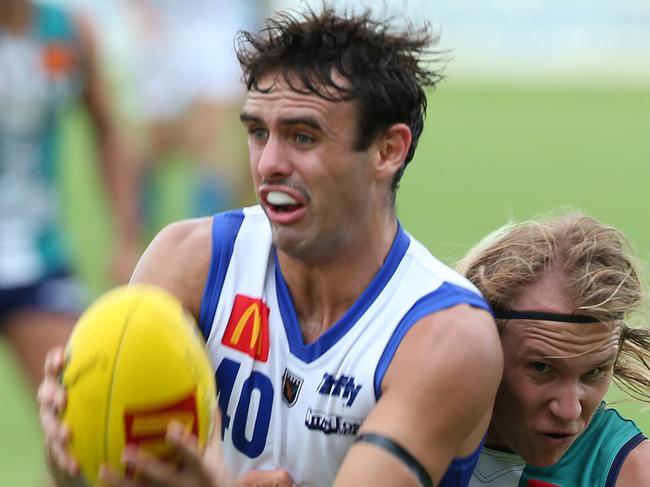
[
  {"x": 566, "y": 404},
  {"x": 274, "y": 160}
]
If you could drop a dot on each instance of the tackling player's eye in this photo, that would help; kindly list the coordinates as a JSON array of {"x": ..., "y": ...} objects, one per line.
[
  {"x": 596, "y": 374},
  {"x": 539, "y": 368}
]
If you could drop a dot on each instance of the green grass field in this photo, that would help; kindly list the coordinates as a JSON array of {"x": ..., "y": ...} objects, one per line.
[{"x": 488, "y": 154}]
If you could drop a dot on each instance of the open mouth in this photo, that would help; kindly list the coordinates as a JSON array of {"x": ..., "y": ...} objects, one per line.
[
  {"x": 282, "y": 202},
  {"x": 557, "y": 436},
  {"x": 283, "y": 206}
]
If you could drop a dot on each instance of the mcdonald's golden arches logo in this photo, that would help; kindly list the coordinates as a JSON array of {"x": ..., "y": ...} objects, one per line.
[{"x": 248, "y": 327}]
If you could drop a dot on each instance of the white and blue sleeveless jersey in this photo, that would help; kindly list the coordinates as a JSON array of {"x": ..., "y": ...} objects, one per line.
[{"x": 295, "y": 405}]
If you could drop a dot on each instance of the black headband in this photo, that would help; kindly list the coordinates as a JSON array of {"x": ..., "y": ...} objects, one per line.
[{"x": 511, "y": 314}]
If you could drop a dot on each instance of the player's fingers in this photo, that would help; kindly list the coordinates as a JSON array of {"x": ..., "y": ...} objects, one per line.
[
  {"x": 269, "y": 478},
  {"x": 56, "y": 438},
  {"x": 51, "y": 402},
  {"x": 54, "y": 361},
  {"x": 109, "y": 477},
  {"x": 62, "y": 460},
  {"x": 51, "y": 395},
  {"x": 186, "y": 446},
  {"x": 45, "y": 394},
  {"x": 149, "y": 469}
]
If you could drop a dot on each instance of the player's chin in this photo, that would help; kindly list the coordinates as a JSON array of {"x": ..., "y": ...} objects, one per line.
[{"x": 545, "y": 456}]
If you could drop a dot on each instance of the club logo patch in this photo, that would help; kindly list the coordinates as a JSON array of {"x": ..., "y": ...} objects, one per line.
[
  {"x": 248, "y": 327},
  {"x": 291, "y": 385}
]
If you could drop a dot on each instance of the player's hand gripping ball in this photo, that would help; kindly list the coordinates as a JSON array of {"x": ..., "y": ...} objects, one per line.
[{"x": 134, "y": 362}]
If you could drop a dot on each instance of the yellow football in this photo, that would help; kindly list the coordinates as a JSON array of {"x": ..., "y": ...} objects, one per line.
[{"x": 134, "y": 362}]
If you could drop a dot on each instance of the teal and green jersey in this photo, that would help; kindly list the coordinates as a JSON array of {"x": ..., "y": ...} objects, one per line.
[
  {"x": 40, "y": 77},
  {"x": 594, "y": 459}
]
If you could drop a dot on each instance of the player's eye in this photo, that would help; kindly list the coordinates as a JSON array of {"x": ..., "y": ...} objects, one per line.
[
  {"x": 303, "y": 139},
  {"x": 539, "y": 368},
  {"x": 257, "y": 133},
  {"x": 596, "y": 374}
]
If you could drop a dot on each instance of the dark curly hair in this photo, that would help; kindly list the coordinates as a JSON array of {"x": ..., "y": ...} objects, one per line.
[{"x": 385, "y": 69}]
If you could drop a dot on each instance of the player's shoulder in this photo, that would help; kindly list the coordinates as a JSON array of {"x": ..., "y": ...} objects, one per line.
[
  {"x": 192, "y": 240},
  {"x": 464, "y": 325},
  {"x": 634, "y": 471},
  {"x": 186, "y": 235},
  {"x": 458, "y": 341},
  {"x": 437, "y": 269},
  {"x": 178, "y": 259}
]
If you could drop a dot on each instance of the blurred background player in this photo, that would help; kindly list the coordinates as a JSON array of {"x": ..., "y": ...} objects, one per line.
[
  {"x": 177, "y": 79},
  {"x": 562, "y": 290},
  {"x": 47, "y": 64}
]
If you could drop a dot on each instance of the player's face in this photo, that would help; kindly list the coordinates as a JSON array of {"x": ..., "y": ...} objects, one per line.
[
  {"x": 555, "y": 376},
  {"x": 318, "y": 191}
]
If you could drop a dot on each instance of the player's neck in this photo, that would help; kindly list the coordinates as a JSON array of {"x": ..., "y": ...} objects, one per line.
[
  {"x": 322, "y": 294},
  {"x": 494, "y": 442}
]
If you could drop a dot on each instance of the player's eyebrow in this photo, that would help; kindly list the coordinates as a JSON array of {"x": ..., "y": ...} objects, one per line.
[
  {"x": 249, "y": 118},
  {"x": 290, "y": 121},
  {"x": 537, "y": 353},
  {"x": 308, "y": 121}
]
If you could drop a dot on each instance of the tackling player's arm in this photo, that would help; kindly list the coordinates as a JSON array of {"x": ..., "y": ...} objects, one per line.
[
  {"x": 436, "y": 400},
  {"x": 635, "y": 471}
]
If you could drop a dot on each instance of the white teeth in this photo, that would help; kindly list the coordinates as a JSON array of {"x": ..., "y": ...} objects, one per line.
[{"x": 280, "y": 198}]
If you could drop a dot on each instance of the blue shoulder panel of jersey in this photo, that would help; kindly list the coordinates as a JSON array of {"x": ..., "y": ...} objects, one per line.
[
  {"x": 225, "y": 227},
  {"x": 446, "y": 296},
  {"x": 310, "y": 352},
  {"x": 460, "y": 470}
]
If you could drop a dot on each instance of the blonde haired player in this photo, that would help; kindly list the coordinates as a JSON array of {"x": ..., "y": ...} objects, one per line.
[{"x": 562, "y": 290}]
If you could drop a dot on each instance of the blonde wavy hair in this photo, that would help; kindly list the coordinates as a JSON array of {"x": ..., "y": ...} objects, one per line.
[{"x": 603, "y": 279}]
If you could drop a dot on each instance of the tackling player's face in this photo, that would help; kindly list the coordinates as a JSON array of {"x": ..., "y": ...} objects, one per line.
[
  {"x": 318, "y": 191},
  {"x": 555, "y": 376}
]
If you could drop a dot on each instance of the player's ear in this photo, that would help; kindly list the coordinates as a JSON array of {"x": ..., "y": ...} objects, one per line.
[{"x": 393, "y": 146}]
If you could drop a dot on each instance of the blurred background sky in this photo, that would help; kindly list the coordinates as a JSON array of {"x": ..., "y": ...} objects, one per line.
[{"x": 533, "y": 40}]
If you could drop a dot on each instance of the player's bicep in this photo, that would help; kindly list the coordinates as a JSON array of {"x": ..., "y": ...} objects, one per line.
[{"x": 436, "y": 401}]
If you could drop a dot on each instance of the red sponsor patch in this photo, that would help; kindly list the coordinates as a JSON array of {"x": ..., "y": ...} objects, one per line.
[
  {"x": 540, "y": 483},
  {"x": 248, "y": 328},
  {"x": 148, "y": 427}
]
